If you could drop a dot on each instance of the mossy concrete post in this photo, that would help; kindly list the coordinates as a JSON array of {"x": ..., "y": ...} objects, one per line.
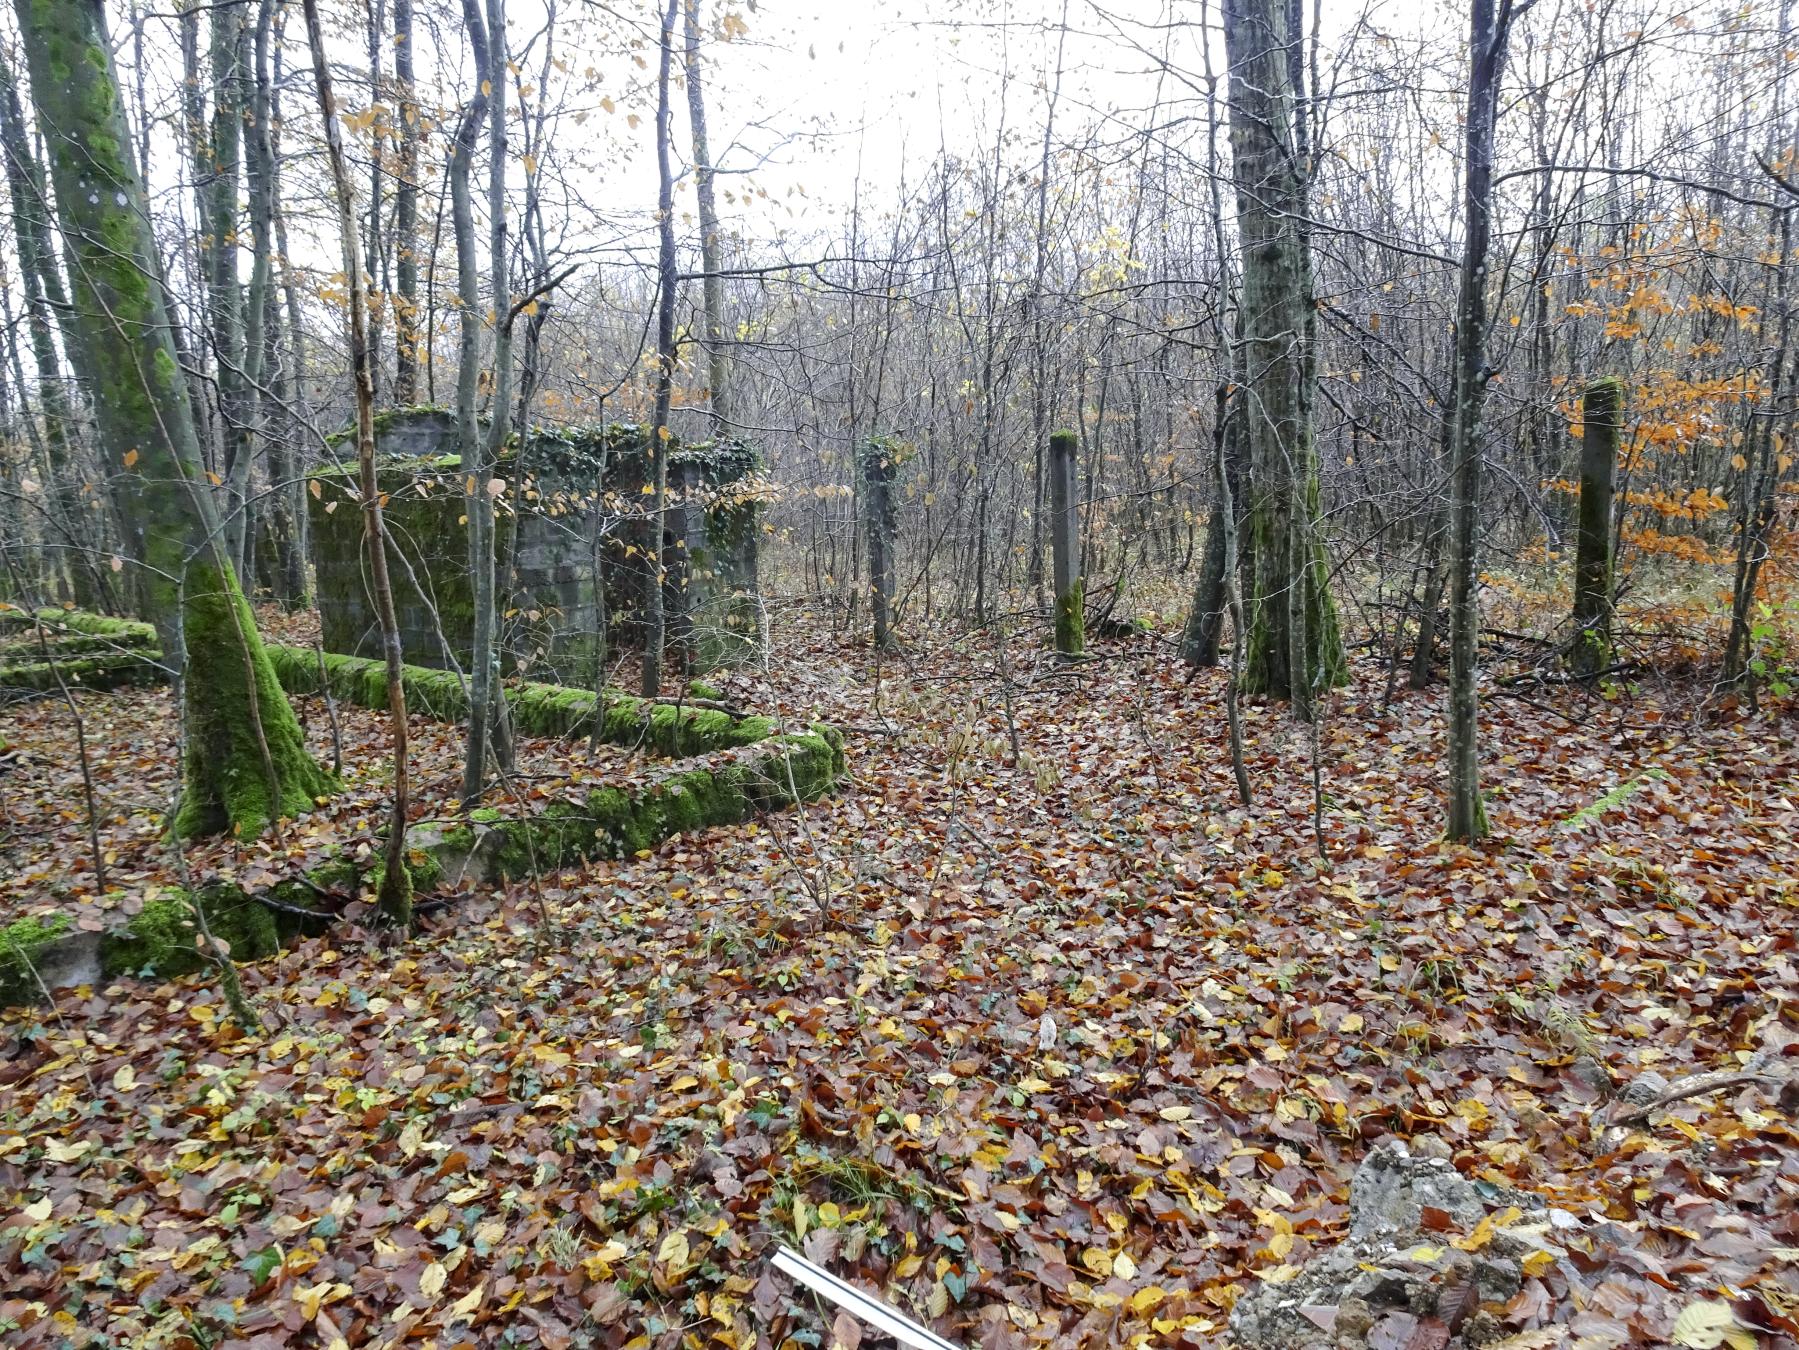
[
  {"x": 246, "y": 762},
  {"x": 881, "y": 458},
  {"x": 1065, "y": 543},
  {"x": 1602, "y": 415}
]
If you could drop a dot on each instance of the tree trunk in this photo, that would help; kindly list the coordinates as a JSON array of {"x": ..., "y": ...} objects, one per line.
[
  {"x": 406, "y": 210},
  {"x": 76, "y": 559},
  {"x": 1200, "y": 641},
  {"x": 479, "y": 501},
  {"x": 246, "y": 763},
  {"x": 262, "y": 342},
  {"x": 1487, "y": 38},
  {"x": 1602, "y": 417},
  {"x": 395, "y": 896},
  {"x": 290, "y": 389},
  {"x": 1294, "y": 646},
  {"x": 224, "y": 295},
  {"x": 712, "y": 286},
  {"x": 1761, "y": 484},
  {"x": 378, "y": 133},
  {"x": 655, "y": 626}
]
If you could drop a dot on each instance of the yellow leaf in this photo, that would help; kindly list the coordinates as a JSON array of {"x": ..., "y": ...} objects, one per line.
[
  {"x": 1483, "y": 1231},
  {"x": 57, "y": 1151},
  {"x": 1175, "y": 1112},
  {"x": 673, "y": 1251},
  {"x": 130, "y": 458},
  {"x": 1123, "y": 1267},
  {"x": 684, "y": 1082},
  {"x": 1425, "y": 1254},
  {"x": 1351, "y": 1024},
  {"x": 431, "y": 1281},
  {"x": 464, "y": 1308},
  {"x": 38, "y": 1211},
  {"x": 313, "y": 1297},
  {"x": 1147, "y": 1299},
  {"x": 908, "y": 1266},
  {"x": 1706, "y": 1325},
  {"x": 124, "y": 1078},
  {"x": 313, "y": 487},
  {"x": 1538, "y": 1263}
]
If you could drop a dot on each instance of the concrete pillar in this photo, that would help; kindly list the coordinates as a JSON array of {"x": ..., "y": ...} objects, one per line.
[
  {"x": 1065, "y": 543},
  {"x": 1602, "y": 416}
]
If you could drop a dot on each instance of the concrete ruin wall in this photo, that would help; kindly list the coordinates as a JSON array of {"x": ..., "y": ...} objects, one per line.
[{"x": 573, "y": 498}]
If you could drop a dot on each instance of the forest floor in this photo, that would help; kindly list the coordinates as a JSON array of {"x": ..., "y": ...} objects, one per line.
[{"x": 1055, "y": 1046}]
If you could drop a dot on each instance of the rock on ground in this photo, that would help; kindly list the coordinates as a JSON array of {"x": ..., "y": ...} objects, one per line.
[{"x": 1398, "y": 1279}]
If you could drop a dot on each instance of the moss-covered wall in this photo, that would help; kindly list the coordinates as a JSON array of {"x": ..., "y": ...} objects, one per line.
[{"x": 565, "y": 494}]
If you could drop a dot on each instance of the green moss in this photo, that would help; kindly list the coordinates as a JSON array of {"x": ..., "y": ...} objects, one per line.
[
  {"x": 1071, "y": 619},
  {"x": 700, "y": 689},
  {"x": 22, "y": 943},
  {"x": 120, "y": 632},
  {"x": 247, "y": 764},
  {"x": 163, "y": 938},
  {"x": 89, "y": 672}
]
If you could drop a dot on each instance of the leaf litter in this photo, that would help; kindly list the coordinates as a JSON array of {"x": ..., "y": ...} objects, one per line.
[{"x": 1062, "y": 1049}]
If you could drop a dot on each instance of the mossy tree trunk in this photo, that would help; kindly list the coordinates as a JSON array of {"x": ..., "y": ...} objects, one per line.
[
  {"x": 1065, "y": 543},
  {"x": 1602, "y": 410},
  {"x": 246, "y": 762},
  {"x": 1294, "y": 646}
]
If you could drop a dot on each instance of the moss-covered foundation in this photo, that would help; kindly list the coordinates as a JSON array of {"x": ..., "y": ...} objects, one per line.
[
  {"x": 751, "y": 766},
  {"x": 23, "y": 944},
  {"x": 537, "y": 709},
  {"x": 618, "y": 821},
  {"x": 566, "y": 501},
  {"x": 42, "y": 651}
]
